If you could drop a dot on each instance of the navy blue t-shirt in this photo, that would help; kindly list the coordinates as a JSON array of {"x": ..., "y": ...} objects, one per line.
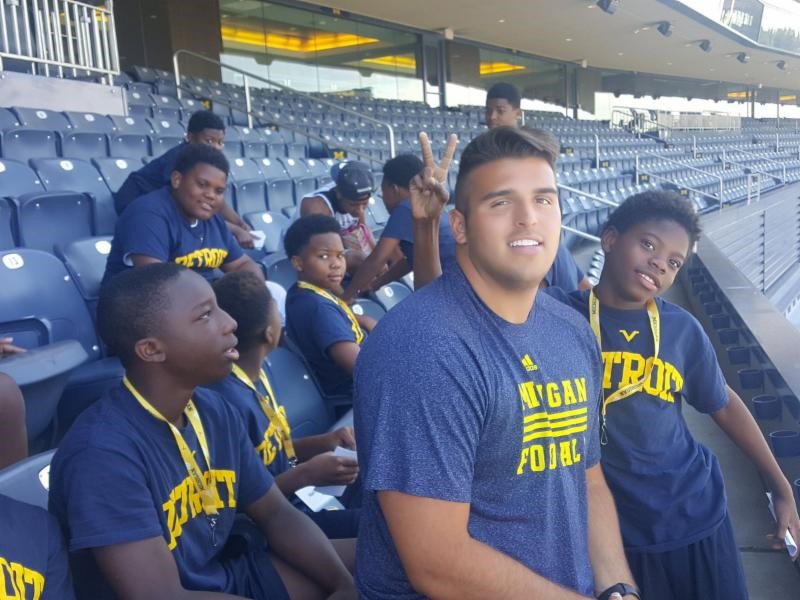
[
  {"x": 154, "y": 226},
  {"x": 263, "y": 435},
  {"x": 315, "y": 324},
  {"x": 400, "y": 226},
  {"x": 564, "y": 273},
  {"x": 667, "y": 486},
  {"x": 33, "y": 558},
  {"x": 155, "y": 174},
  {"x": 118, "y": 477},
  {"x": 477, "y": 410}
]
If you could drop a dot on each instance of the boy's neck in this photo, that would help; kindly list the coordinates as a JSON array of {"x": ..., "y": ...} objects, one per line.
[
  {"x": 513, "y": 306},
  {"x": 167, "y": 396},
  {"x": 251, "y": 362},
  {"x": 323, "y": 286},
  {"x": 607, "y": 296}
]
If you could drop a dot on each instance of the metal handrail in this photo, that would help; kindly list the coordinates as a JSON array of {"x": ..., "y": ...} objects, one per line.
[
  {"x": 685, "y": 166},
  {"x": 589, "y": 195},
  {"x": 686, "y": 187},
  {"x": 285, "y": 88},
  {"x": 756, "y": 156},
  {"x": 579, "y": 233}
]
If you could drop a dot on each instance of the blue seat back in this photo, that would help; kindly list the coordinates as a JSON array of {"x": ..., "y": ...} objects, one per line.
[
  {"x": 49, "y": 218},
  {"x": 115, "y": 171},
  {"x": 23, "y": 143},
  {"x": 88, "y": 121},
  {"x": 8, "y": 225},
  {"x": 85, "y": 145},
  {"x": 271, "y": 224},
  {"x": 17, "y": 178},
  {"x": 28, "y": 480},
  {"x": 85, "y": 260},
  {"x": 39, "y": 118}
]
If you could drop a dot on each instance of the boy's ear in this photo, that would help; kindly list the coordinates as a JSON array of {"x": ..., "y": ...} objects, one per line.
[
  {"x": 271, "y": 336},
  {"x": 175, "y": 179},
  {"x": 608, "y": 238},
  {"x": 150, "y": 350},
  {"x": 458, "y": 225},
  {"x": 297, "y": 263}
]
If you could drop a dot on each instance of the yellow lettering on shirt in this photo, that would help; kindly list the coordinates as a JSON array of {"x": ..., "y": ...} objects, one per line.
[
  {"x": 18, "y": 582},
  {"x": 184, "y": 501},
  {"x": 664, "y": 382},
  {"x": 270, "y": 446},
  {"x": 629, "y": 336},
  {"x": 203, "y": 258}
]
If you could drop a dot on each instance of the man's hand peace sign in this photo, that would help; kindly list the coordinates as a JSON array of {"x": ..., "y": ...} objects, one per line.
[{"x": 428, "y": 190}]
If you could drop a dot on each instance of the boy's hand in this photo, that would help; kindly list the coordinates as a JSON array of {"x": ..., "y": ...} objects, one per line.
[
  {"x": 9, "y": 349},
  {"x": 344, "y": 437},
  {"x": 428, "y": 190},
  {"x": 242, "y": 236},
  {"x": 327, "y": 469},
  {"x": 787, "y": 518}
]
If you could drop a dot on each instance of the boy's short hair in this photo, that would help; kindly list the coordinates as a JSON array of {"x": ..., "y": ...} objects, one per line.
[
  {"x": 507, "y": 91},
  {"x": 499, "y": 143},
  {"x": 247, "y": 300},
  {"x": 656, "y": 205},
  {"x": 193, "y": 154},
  {"x": 205, "y": 119},
  {"x": 131, "y": 306},
  {"x": 301, "y": 231},
  {"x": 401, "y": 169}
]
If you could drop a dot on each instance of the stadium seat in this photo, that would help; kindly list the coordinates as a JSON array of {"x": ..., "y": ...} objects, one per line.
[
  {"x": 28, "y": 480},
  {"x": 86, "y": 261},
  {"x": 8, "y": 225},
  {"x": 41, "y": 374},
  {"x": 79, "y": 176},
  {"x": 160, "y": 144},
  {"x": 37, "y": 118},
  {"x": 17, "y": 178},
  {"x": 271, "y": 224},
  {"x": 295, "y": 389},
  {"x": 22, "y": 144},
  {"x": 279, "y": 186},
  {"x": 279, "y": 269},
  {"x": 129, "y": 145},
  {"x": 167, "y": 127},
  {"x": 115, "y": 171},
  {"x": 83, "y": 144},
  {"x": 92, "y": 122},
  {"x": 49, "y": 218},
  {"x": 369, "y": 308},
  {"x": 303, "y": 181},
  {"x": 378, "y": 210},
  {"x": 391, "y": 295},
  {"x": 8, "y": 119},
  {"x": 131, "y": 124}
]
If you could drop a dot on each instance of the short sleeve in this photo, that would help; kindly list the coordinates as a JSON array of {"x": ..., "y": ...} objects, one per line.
[
  {"x": 234, "y": 249},
  {"x": 329, "y": 326},
  {"x": 704, "y": 386},
  {"x": 400, "y": 225},
  {"x": 423, "y": 430},
  {"x": 105, "y": 499},
  {"x": 254, "y": 479},
  {"x": 143, "y": 232},
  {"x": 58, "y": 581}
]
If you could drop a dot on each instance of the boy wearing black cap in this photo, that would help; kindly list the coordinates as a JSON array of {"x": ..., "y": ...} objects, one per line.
[{"x": 346, "y": 199}]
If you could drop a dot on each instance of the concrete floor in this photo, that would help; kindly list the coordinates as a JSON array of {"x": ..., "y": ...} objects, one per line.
[{"x": 770, "y": 574}]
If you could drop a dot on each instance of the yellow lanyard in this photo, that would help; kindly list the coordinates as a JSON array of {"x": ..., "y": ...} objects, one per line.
[
  {"x": 209, "y": 498},
  {"x": 340, "y": 303},
  {"x": 637, "y": 386},
  {"x": 275, "y": 413}
]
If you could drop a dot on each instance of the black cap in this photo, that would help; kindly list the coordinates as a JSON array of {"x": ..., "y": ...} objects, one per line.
[{"x": 353, "y": 180}]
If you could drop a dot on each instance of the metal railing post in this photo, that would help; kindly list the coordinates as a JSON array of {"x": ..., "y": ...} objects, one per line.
[
  {"x": 597, "y": 150},
  {"x": 247, "y": 102},
  {"x": 694, "y": 146},
  {"x": 177, "y": 70},
  {"x": 764, "y": 252}
]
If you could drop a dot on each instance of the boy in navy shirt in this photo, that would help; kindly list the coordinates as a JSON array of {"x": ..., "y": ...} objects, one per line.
[
  {"x": 204, "y": 128},
  {"x": 294, "y": 462},
  {"x": 667, "y": 486},
  {"x": 479, "y": 446},
  {"x": 398, "y": 234},
  {"x": 180, "y": 223},
  {"x": 317, "y": 319},
  {"x": 148, "y": 481}
]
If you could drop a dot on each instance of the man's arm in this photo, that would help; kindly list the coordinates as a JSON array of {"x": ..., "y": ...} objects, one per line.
[
  {"x": 322, "y": 469},
  {"x": 427, "y": 263},
  {"x": 738, "y": 424},
  {"x": 13, "y": 435},
  {"x": 605, "y": 542},
  {"x": 395, "y": 272},
  {"x": 314, "y": 206},
  {"x": 443, "y": 561},
  {"x": 243, "y": 263},
  {"x": 371, "y": 267},
  {"x": 293, "y": 537},
  {"x": 344, "y": 354},
  {"x": 140, "y": 260},
  {"x": 231, "y": 216},
  {"x": 124, "y": 564}
]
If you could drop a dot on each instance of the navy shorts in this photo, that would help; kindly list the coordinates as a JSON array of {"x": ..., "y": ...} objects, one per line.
[{"x": 709, "y": 569}]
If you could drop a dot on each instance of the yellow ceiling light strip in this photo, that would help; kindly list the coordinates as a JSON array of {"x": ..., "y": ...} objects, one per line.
[
  {"x": 791, "y": 98},
  {"x": 494, "y": 68},
  {"x": 395, "y": 62},
  {"x": 320, "y": 41}
]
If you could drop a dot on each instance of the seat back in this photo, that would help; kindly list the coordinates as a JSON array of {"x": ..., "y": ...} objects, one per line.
[
  {"x": 391, "y": 295},
  {"x": 23, "y": 143},
  {"x": 28, "y": 480},
  {"x": 306, "y": 410},
  {"x": 129, "y": 145},
  {"x": 8, "y": 225},
  {"x": 271, "y": 224},
  {"x": 49, "y": 218},
  {"x": 88, "y": 121},
  {"x": 39, "y": 118},
  {"x": 369, "y": 308},
  {"x": 115, "y": 171},
  {"x": 85, "y": 260},
  {"x": 131, "y": 124},
  {"x": 17, "y": 178}
]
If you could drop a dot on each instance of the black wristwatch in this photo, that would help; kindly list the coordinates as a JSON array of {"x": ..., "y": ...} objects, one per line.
[{"x": 623, "y": 589}]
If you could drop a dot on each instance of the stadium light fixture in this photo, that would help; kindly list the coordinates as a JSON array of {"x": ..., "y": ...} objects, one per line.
[
  {"x": 781, "y": 64},
  {"x": 705, "y": 45},
  {"x": 743, "y": 57},
  {"x": 665, "y": 28},
  {"x": 608, "y": 6}
]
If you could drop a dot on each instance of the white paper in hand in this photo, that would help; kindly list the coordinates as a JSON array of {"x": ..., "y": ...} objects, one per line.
[
  {"x": 317, "y": 501},
  {"x": 788, "y": 539},
  {"x": 338, "y": 490}
]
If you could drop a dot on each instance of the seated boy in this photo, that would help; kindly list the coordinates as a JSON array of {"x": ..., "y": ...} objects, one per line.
[
  {"x": 398, "y": 234},
  {"x": 148, "y": 481},
  {"x": 180, "y": 223},
  {"x": 317, "y": 319},
  {"x": 294, "y": 462},
  {"x": 13, "y": 433}
]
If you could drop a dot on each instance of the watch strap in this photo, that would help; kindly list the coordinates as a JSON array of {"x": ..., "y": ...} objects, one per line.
[{"x": 623, "y": 589}]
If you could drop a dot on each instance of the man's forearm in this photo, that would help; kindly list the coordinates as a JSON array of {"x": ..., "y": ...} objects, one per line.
[
  {"x": 231, "y": 216},
  {"x": 362, "y": 278},
  {"x": 605, "y": 542},
  {"x": 427, "y": 264},
  {"x": 395, "y": 272}
]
